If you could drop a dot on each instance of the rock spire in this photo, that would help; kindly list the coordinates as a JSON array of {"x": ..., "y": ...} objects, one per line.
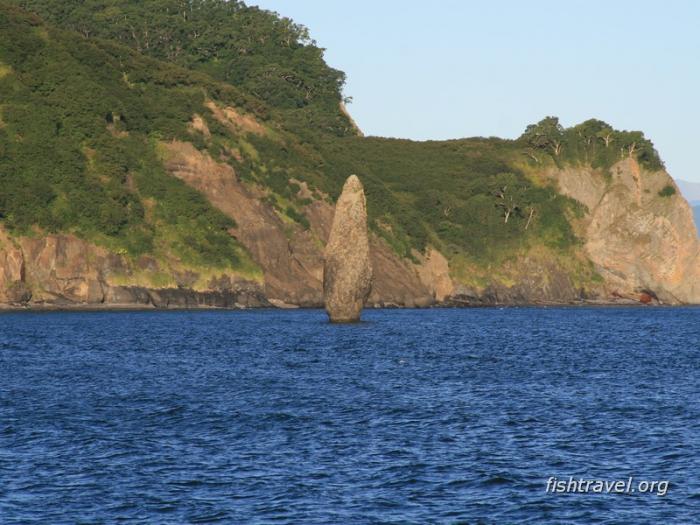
[{"x": 347, "y": 272}]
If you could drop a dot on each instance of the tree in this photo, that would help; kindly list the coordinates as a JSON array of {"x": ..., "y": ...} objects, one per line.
[
  {"x": 607, "y": 135},
  {"x": 506, "y": 202},
  {"x": 589, "y": 131},
  {"x": 630, "y": 141},
  {"x": 530, "y": 214},
  {"x": 547, "y": 134}
]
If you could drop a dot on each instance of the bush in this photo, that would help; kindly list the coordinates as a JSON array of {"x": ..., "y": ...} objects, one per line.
[{"x": 667, "y": 191}]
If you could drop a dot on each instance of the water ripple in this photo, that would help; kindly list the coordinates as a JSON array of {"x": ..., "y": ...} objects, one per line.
[{"x": 434, "y": 416}]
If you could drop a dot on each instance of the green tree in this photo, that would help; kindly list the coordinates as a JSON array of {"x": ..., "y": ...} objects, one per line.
[{"x": 547, "y": 134}]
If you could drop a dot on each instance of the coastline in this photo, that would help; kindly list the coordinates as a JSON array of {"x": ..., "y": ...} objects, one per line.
[{"x": 125, "y": 307}]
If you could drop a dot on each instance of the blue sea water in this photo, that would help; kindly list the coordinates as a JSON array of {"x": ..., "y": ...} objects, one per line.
[{"x": 413, "y": 416}]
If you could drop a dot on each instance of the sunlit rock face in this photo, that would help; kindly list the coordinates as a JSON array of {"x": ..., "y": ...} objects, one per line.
[
  {"x": 347, "y": 272},
  {"x": 639, "y": 240}
]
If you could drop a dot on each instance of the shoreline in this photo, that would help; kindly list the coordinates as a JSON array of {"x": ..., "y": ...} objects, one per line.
[{"x": 116, "y": 307}]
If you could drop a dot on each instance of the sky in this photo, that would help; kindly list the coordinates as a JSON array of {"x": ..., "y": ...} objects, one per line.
[{"x": 446, "y": 69}]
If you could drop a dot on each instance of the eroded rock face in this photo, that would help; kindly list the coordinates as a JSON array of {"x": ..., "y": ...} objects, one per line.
[
  {"x": 64, "y": 271},
  {"x": 642, "y": 247},
  {"x": 347, "y": 272},
  {"x": 434, "y": 272},
  {"x": 292, "y": 263},
  {"x": 638, "y": 240},
  {"x": 291, "y": 257},
  {"x": 12, "y": 287}
]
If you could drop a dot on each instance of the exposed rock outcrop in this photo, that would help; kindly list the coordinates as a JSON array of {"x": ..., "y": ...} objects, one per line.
[
  {"x": 541, "y": 281},
  {"x": 291, "y": 260},
  {"x": 13, "y": 289},
  {"x": 65, "y": 271},
  {"x": 347, "y": 273},
  {"x": 291, "y": 257},
  {"x": 434, "y": 273},
  {"x": 639, "y": 246},
  {"x": 638, "y": 240}
]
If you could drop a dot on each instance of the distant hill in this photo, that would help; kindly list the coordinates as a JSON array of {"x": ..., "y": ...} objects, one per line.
[{"x": 690, "y": 190}]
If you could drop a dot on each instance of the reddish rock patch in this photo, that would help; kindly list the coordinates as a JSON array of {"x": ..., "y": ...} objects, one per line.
[{"x": 645, "y": 298}]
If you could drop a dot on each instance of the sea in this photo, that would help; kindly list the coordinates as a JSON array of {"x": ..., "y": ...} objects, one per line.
[{"x": 456, "y": 416}]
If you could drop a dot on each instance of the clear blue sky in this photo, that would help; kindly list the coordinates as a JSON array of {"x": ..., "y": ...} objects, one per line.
[{"x": 448, "y": 68}]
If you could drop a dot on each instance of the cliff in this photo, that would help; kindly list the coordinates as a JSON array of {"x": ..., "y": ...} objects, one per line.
[
  {"x": 639, "y": 231},
  {"x": 638, "y": 243},
  {"x": 140, "y": 179}
]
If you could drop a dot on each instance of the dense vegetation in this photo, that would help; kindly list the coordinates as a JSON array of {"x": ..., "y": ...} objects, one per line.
[
  {"x": 78, "y": 121},
  {"x": 83, "y": 109},
  {"x": 270, "y": 57},
  {"x": 471, "y": 196},
  {"x": 463, "y": 196},
  {"x": 593, "y": 142}
]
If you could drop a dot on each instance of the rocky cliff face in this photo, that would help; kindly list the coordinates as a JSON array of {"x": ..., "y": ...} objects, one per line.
[
  {"x": 290, "y": 256},
  {"x": 641, "y": 242},
  {"x": 642, "y": 245},
  {"x": 64, "y": 271},
  {"x": 347, "y": 273}
]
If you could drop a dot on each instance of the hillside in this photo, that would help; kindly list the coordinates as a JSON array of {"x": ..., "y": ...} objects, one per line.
[
  {"x": 267, "y": 56},
  {"x": 178, "y": 153}
]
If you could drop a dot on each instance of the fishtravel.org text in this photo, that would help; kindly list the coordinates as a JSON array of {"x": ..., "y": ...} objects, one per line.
[{"x": 598, "y": 486}]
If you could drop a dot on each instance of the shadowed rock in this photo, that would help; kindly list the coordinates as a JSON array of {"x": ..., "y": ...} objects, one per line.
[{"x": 347, "y": 273}]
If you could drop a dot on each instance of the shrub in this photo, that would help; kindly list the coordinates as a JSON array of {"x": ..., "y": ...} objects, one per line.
[{"x": 667, "y": 191}]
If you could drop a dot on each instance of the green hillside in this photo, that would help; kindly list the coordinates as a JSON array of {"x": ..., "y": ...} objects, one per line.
[
  {"x": 79, "y": 124},
  {"x": 86, "y": 97},
  {"x": 267, "y": 56}
]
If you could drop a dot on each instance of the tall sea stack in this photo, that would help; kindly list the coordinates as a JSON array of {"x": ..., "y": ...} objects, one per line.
[{"x": 347, "y": 273}]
